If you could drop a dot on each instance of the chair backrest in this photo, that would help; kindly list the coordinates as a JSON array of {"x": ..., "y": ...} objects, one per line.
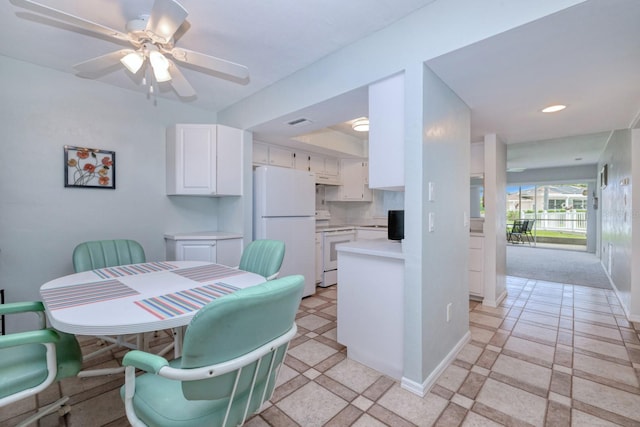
[
  {"x": 234, "y": 325},
  {"x": 530, "y": 225},
  {"x": 263, "y": 257},
  {"x": 106, "y": 253}
]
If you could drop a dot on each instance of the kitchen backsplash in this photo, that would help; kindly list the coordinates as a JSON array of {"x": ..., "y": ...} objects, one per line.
[{"x": 364, "y": 213}]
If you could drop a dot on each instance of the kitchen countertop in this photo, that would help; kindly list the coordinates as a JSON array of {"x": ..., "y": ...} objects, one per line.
[
  {"x": 203, "y": 235},
  {"x": 338, "y": 227},
  {"x": 376, "y": 247}
]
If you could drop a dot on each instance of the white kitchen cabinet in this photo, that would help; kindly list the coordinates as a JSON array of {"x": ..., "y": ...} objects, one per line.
[
  {"x": 301, "y": 161},
  {"x": 219, "y": 247},
  {"x": 280, "y": 157},
  {"x": 477, "y": 158},
  {"x": 326, "y": 169},
  {"x": 204, "y": 160},
  {"x": 476, "y": 262},
  {"x": 260, "y": 154},
  {"x": 386, "y": 134},
  {"x": 353, "y": 173}
]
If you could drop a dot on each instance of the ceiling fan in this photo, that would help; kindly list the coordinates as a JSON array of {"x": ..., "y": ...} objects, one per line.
[{"x": 153, "y": 39}]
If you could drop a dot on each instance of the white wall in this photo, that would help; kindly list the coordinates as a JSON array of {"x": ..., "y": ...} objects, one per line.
[
  {"x": 437, "y": 151},
  {"x": 495, "y": 244},
  {"x": 617, "y": 216},
  {"x": 40, "y": 220}
]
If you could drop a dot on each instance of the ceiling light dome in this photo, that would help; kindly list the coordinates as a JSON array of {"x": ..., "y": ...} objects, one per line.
[
  {"x": 360, "y": 125},
  {"x": 554, "y": 108}
]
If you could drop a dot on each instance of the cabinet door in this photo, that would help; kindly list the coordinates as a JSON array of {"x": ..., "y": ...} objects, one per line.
[
  {"x": 354, "y": 187},
  {"x": 228, "y": 161},
  {"x": 191, "y": 159},
  {"x": 332, "y": 166},
  {"x": 301, "y": 161},
  {"x": 196, "y": 250},
  {"x": 316, "y": 163},
  {"x": 280, "y": 157},
  {"x": 260, "y": 154},
  {"x": 386, "y": 133}
]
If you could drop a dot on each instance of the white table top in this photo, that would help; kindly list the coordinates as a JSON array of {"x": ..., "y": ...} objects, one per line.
[{"x": 138, "y": 298}]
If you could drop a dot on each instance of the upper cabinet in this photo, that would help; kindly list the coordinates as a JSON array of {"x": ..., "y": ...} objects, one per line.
[
  {"x": 326, "y": 169},
  {"x": 281, "y": 157},
  {"x": 204, "y": 160},
  {"x": 477, "y": 158},
  {"x": 386, "y": 134},
  {"x": 354, "y": 174}
]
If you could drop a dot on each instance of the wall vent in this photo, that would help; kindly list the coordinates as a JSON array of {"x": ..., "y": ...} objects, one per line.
[{"x": 299, "y": 122}]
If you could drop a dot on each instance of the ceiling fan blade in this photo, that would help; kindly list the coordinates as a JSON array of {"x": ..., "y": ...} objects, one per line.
[
  {"x": 70, "y": 19},
  {"x": 216, "y": 66},
  {"x": 179, "y": 82},
  {"x": 165, "y": 19},
  {"x": 101, "y": 64}
]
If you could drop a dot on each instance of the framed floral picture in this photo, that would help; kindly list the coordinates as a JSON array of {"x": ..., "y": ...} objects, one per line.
[{"x": 89, "y": 167}]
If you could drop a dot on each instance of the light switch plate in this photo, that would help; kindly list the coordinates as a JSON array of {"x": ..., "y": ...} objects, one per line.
[{"x": 432, "y": 195}]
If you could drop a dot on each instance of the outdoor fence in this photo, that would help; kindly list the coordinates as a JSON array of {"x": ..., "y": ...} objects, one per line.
[{"x": 573, "y": 222}]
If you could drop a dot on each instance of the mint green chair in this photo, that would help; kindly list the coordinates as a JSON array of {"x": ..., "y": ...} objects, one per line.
[
  {"x": 263, "y": 257},
  {"x": 106, "y": 253},
  {"x": 31, "y": 361},
  {"x": 233, "y": 349},
  {"x": 109, "y": 253}
]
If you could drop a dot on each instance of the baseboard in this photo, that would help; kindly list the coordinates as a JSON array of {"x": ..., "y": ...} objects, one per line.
[
  {"x": 421, "y": 389},
  {"x": 630, "y": 317},
  {"x": 494, "y": 304}
]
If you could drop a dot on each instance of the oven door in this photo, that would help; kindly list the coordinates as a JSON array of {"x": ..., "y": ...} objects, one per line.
[{"x": 331, "y": 239}]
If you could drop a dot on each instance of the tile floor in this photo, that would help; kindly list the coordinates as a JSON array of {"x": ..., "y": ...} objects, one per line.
[{"x": 550, "y": 355}]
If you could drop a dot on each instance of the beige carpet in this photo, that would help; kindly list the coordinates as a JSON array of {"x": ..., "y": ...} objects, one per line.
[{"x": 554, "y": 265}]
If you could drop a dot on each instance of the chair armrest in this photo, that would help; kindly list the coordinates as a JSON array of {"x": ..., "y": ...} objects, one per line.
[
  {"x": 21, "y": 307},
  {"x": 145, "y": 361},
  {"x": 31, "y": 337}
]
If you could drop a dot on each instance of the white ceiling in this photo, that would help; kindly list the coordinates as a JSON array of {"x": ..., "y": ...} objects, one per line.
[{"x": 587, "y": 56}]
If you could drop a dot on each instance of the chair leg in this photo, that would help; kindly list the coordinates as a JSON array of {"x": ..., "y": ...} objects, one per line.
[{"x": 59, "y": 405}]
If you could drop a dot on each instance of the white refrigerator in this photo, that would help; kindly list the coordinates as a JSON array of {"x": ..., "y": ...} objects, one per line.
[{"x": 284, "y": 209}]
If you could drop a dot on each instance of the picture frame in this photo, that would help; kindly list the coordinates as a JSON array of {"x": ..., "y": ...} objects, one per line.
[
  {"x": 89, "y": 168},
  {"x": 604, "y": 176}
]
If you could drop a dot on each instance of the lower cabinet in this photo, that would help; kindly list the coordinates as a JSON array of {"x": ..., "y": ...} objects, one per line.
[
  {"x": 208, "y": 248},
  {"x": 476, "y": 270}
]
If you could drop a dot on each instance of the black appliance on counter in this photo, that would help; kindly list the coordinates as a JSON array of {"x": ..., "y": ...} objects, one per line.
[{"x": 395, "y": 223}]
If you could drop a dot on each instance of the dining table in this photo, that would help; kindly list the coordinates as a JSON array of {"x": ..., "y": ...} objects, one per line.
[{"x": 138, "y": 298}]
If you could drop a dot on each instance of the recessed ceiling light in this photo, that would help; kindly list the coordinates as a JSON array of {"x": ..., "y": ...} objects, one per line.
[{"x": 554, "y": 108}]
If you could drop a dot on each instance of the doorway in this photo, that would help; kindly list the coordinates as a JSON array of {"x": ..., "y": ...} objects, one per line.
[{"x": 555, "y": 215}]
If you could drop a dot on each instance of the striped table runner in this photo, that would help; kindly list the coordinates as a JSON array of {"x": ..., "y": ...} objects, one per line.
[
  {"x": 207, "y": 273},
  {"x": 189, "y": 300},
  {"x": 130, "y": 270},
  {"x": 86, "y": 293}
]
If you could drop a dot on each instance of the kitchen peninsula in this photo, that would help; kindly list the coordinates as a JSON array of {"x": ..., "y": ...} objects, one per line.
[{"x": 370, "y": 303}]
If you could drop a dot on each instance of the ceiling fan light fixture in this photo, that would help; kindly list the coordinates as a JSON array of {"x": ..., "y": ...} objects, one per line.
[
  {"x": 161, "y": 75},
  {"x": 133, "y": 61},
  {"x": 160, "y": 66},
  {"x": 361, "y": 125}
]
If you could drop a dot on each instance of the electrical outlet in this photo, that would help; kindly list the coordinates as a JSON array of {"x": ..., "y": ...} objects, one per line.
[
  {"x": 432, "y": 226},
  {"x": 448, "y": 312}
]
